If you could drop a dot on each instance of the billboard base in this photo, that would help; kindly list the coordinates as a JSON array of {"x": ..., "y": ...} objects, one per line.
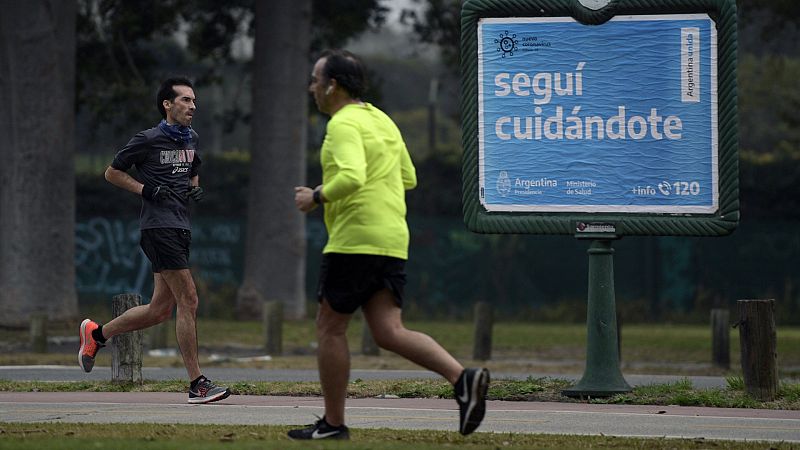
[{"x": 602, "y": 376}]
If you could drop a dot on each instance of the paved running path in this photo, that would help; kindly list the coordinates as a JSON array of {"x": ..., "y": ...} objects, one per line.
[{"x": 438, "y": 414}]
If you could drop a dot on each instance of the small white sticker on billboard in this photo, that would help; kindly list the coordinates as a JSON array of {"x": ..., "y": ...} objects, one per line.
[{"x": 690, "y": 65}]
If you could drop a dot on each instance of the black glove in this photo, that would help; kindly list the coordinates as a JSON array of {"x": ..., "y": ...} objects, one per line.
[
  {"x": 156, "y": 193},
  {"x": 196, "y": 193}
]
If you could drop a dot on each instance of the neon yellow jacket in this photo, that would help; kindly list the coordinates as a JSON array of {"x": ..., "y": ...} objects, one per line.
[{"x": 366, "y": 170}]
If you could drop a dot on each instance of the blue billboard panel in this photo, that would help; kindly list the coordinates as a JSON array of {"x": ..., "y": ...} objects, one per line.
[{"x": 619, "y": 117}]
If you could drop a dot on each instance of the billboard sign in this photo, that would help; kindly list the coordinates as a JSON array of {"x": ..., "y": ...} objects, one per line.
[
  {"x": 604, "y": 121},
  {"x": 613, "y": 118}
]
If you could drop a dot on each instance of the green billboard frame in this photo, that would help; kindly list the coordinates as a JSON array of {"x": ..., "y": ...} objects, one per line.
[{"x": 590, "y": 224}]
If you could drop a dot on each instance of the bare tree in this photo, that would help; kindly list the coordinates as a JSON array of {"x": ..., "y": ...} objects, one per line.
[
  {"x": 37, "y": 179},
  {"x": 276, "y": 246}
]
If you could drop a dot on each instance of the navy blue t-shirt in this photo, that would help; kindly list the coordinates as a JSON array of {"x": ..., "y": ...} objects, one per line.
[{"x": 162, "y": 161}]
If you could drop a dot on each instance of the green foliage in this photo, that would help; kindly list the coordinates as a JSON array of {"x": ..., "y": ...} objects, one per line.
[
  {"x": 125, "y": 48},
  {"x": 401, "y": 388},
  {"x": 213, "y": 27},
  {"x": 790, "y": 392},
  {"x": 335, "y": 21},
  {"x": 716, "y": 397},
  {"x": 683, "y": 394},
  {"x": 768, "y": 99},
  {"x": 440, "y": 24},
  {"x": 413, "y": 124},
  {"x": 526, "y": 390},
  {"x": 735, "y": 382}
]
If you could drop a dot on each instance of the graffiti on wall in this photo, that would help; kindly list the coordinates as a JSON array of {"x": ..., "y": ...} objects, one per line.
[{"x": 109, "y": 260}]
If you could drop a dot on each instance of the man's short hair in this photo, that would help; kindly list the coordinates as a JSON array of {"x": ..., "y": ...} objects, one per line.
[
  {"x": 167, "y": 92},
  {"x": 348, "y": 71}
]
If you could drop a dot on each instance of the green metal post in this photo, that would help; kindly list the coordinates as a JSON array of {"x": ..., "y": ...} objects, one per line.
[{"x": 602, "y": 376}]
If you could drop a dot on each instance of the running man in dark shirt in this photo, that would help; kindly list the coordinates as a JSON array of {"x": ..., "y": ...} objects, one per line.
[{"x": 167, "y": 162}]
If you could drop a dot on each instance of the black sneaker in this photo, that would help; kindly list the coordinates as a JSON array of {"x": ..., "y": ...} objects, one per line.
[
  {"x": 470, "y": 393},
  {"x": 321, "y": 430},
  {"x": 206, "y": 392}
]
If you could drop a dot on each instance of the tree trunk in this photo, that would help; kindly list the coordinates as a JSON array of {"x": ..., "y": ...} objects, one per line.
[
  {"x": 275, "y": 255},
  {"x": 37, "y": 179}
]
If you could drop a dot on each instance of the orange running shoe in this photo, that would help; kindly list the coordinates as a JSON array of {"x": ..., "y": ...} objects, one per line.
[{"x": 89, "y": 346}]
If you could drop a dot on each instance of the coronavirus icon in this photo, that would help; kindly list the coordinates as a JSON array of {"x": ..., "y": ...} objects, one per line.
[{"x": 506, "y": 44}]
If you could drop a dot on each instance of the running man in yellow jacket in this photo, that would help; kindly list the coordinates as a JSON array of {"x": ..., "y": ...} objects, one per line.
[{"x": 366, "y": 170}]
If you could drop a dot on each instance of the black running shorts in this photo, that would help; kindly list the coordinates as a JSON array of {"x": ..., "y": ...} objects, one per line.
[
  {"x": 349, "y": 281},
  {"x": 166, "y": 248}
]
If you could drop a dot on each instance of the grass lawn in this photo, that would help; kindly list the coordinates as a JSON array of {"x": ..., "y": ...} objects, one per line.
[
  {"x": 61, "y": 436},
  {"x": 667, "y": 349},
  {"x": 531, "y": 389}
]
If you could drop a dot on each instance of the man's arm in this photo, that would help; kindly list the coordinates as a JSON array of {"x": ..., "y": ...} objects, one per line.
[
  {"x": 122, "y": 180},
  {"x": 304, "y": 198},
  {"x": 195, "y": 192},
  {"x": 407, "y": 170},
  {"x": 348, "y": 155}
]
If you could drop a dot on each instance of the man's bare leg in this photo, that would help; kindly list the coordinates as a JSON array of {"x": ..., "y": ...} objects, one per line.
[
  {"x": 385, "y": 321},
  {"x": 182, "y": 286},
  {"x": 333, "y": 361},
  {"x": 139, "y": 317}
]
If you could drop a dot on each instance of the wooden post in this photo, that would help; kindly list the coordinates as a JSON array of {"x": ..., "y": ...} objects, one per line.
[
  {"x": 273, "y": 327},
  {"x": 38, "y": 330},
  {"x": 126, "y": 348},
  {"x": 484, "y": 319},
  {"x": 157, "y": 335},
  {"x": 368, "y": 345},
  {"x": 758, "y": 342},
  {"x": 720, "y": 338}
]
